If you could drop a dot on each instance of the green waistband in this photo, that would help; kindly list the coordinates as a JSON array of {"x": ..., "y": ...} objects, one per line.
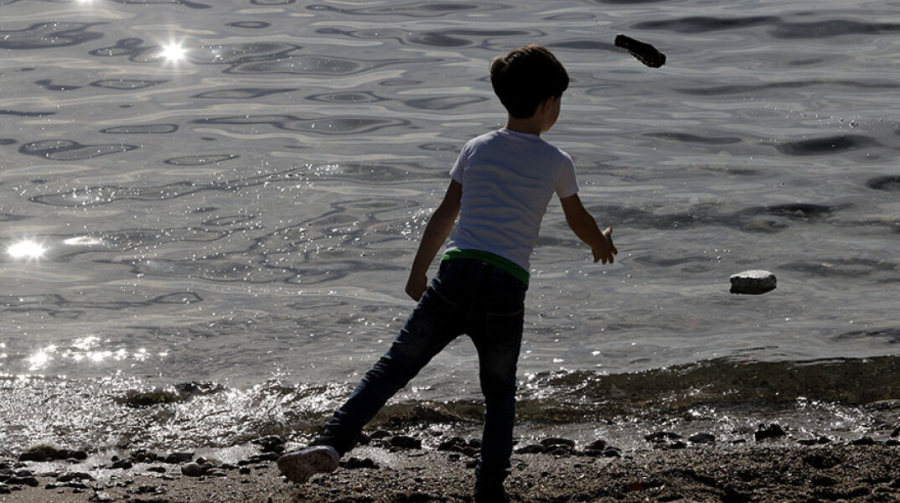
[{"x": 507, "y": 265}]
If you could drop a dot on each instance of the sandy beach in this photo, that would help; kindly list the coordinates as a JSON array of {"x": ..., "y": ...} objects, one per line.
[{"x": 393, "y": 468}]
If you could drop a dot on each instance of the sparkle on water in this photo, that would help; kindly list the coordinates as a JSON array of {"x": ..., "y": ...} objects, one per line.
[
  {"x": 26, "y": 249},
  {"x": 173, "y": 52}
]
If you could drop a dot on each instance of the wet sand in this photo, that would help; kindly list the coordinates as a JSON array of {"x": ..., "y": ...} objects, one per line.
[{"x": 781, "y": 470}]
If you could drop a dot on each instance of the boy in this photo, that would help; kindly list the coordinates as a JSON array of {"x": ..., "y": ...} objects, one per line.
[{"x": 501, "y": 185}]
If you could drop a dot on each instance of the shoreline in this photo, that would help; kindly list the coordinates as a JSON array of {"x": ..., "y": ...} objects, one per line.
[{"x": 436, "y": 465}]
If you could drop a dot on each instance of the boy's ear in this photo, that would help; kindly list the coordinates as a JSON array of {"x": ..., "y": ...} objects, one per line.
[{"x": 547, "y": 103}]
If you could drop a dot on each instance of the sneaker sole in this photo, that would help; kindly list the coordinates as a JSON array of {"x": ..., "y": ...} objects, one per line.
[{"x": 298, "y": 467}]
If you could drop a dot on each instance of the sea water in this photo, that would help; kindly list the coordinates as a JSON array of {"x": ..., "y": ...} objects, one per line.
[{"x": 219, "y": 202}]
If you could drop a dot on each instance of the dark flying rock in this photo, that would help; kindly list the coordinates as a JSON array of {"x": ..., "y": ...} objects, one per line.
[
  {"x": 645, "y": 53},
  {"x": 754, "y": 282}
]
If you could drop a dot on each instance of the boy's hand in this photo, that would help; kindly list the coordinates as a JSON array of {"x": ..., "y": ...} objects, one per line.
[
  {"x": 416, "y": 286},
  {"x": 606, "y": 253}
]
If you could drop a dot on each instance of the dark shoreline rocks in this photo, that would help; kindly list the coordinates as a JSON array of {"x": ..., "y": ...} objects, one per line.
[
  {"x": 687, "y": 466},
  {"x": 44, "y": 452}
]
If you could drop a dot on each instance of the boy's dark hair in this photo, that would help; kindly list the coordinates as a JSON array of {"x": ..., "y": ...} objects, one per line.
[{"x": 526, "y": 77}]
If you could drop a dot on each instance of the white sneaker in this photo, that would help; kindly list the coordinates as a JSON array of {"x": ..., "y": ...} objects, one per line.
[{"x": 299, "y": 466}]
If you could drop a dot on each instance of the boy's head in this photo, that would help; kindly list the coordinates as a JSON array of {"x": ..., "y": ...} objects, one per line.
[{"x": 526, "y": 77}]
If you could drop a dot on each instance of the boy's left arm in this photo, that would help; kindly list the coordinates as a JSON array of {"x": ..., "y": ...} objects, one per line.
[
  {"x": 439, "y": 226},
  {"x": 585, "y": 227}
]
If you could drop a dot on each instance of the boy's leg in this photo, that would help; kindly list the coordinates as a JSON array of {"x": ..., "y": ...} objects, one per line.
[
  {"x": 497, "y": 362},
  {"x": 434, "y": 323},
  {"x": 427, "y": 331},
  {"x": 499, "y": 342}
]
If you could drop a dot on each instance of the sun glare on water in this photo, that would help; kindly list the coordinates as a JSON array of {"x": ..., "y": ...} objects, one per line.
[
  {"x": 26, "y": 250},
  {"x": 173, "y": 52}
]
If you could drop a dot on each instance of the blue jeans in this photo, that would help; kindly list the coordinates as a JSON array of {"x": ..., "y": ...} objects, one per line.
[{"x": 466, "y": 297}]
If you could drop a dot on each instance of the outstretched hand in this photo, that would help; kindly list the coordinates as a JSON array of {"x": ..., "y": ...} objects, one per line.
[{"x": 605, "y": 253}]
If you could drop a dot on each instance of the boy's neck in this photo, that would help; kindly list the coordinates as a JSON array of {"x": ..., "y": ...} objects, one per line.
[
  {"x": 527, "y": 126},
  {"x": 541, "y": 121}
]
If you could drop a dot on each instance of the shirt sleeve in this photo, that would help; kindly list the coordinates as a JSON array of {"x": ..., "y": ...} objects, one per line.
[
  {"x": 567, "y": 183},
  {"x": 456, "y": 173}
]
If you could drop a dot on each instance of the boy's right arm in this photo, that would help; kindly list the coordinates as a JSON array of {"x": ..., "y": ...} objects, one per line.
[
  {"x": 585, "y": 227},
  {"x": 436, "y": 231}
]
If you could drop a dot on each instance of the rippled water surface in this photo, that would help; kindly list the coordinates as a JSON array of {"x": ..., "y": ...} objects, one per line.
[{"x": 232, "y": 192}]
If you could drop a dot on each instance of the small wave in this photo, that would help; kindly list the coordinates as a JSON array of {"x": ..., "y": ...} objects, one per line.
[
  {"x": 846, "y": 268},
  {"x": 50, "y": 86},
  {"x": 250, "y": 25},
  {"x": 144, "y": 129},
  {"x": 203, "y": 414},
  {"x": 759, "y": 89},
  {"x": 246, "y": 93},
  {"x": 800, "y": 211},
  {"x": 69, "y": 150},
  {"x": 690, "y": 138},
  {"x": 411, "y": 9},
  {"x": 445, "y": 102},
  {"x": 45, "y": 35},
  {"x": 355, "y": 97},
  {"x": 201, "y": 160},
  {"x": 126, "y": 84},
  {"x": 779, "y": 28},
  {"x": 291, "y": 63},
  {"x": 334, "y": 125},
  {"x": 185, "y": 3},
  {"x": 889, "y": 183},
  {"x": 828, "y": 145},
  {"x": 132, "y": 47},
  {"x": 722, "y": 382},
  {"x": 704, "y": 24},
  {"x": 17, "y": 113}
]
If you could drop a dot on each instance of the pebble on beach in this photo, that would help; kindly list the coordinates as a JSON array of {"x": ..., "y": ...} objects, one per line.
[{"x": 754, "y": 282}]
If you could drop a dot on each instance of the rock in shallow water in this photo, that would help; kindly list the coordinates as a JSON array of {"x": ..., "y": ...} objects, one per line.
[
  {"x": 767, "y": 432},
  {"x": 193, "y": 470},
  {"x": 702, "y": 438},
  {"x": 753, "y": 282},
  {"x": 406, "y": 442}
]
